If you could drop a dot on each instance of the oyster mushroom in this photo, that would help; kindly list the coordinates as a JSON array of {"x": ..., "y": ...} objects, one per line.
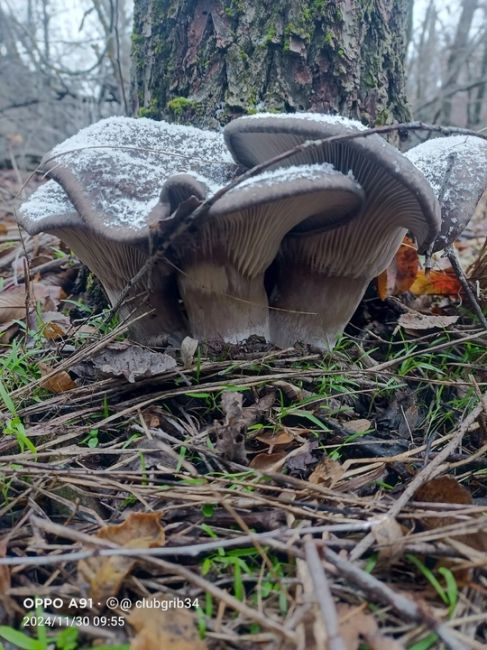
[
  {"x": 328, "y": 272},
  {"x": 111, "y": 174},
  {"x": 224, "y": 258},
  {"x": 456, "y": 169}
]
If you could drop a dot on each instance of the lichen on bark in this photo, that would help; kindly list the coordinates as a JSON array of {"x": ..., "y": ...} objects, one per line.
[{"x": 205, "y": 62}]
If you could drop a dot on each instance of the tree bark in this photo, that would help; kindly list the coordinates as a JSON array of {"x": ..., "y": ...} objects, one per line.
[{"x": 206, "y": 62}]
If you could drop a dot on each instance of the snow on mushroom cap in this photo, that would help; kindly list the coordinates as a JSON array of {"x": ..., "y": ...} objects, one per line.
[
  {"x": 113, "y": 170},
  {"x": 46, "y": 205},
  {"x": 393, "y": 185},
  {"x": 456, "y": 168},
  {"x": 314, "y": 117}
]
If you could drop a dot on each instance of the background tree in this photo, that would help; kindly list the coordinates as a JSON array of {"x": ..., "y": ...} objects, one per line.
[{"x": 207, "y": 61}]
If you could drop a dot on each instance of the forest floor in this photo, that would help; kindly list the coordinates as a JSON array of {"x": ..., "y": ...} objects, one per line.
[{"x": 236, "y": 496}]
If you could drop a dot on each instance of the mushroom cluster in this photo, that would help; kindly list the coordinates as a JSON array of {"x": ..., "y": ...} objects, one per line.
[{"x": 286, "y": 254}]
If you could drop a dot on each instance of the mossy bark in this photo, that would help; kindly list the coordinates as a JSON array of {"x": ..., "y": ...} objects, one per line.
[{"x": 205, "y": 62}]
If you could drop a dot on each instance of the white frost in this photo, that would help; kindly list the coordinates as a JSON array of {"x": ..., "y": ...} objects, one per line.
[
  {"x": 122, "y": 163},
  {"x": 456, "y": 168},
  {"x": 313, "y": 117},
  {"x": 286, "y": 174}
]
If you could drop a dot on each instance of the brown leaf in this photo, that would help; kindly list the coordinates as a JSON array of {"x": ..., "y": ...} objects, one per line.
[
  {"x": 105, "y": 574},
  {"x": 358, "y": 426},
  {"x": 446, "y": 489},
  {"x": 327, "y": 472},
  {"x": 418, "y": 321},
  {"x": 164, "y": 626},
  {"x": 357, "y": 624},
  {"x": 275, "y": 439},
  {"x": 12, "y": 305},
  {"x": 266, "y": 462},
  {"x": 60, "y": 382}
]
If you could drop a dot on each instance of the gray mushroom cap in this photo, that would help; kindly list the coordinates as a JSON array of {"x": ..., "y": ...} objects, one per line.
[
  {"x": 113, "y": 171},
  {"x": 322, "y": 276},
  {"x": 456, "y": 168},
  {"x": 110, "y": 177},
  {"x": 224, "y": 258},
  {"x": 378, "y": 166}
]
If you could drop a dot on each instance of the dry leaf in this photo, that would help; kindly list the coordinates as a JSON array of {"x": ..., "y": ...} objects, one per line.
[
  {"x": 358, "y": 426},
  {"x": 60, "y": 382},
  {"x": 267, "y": 462},
  {"x": 446, "y": 489},
  {"x": 157, "y": 629},
  {"x": 440, "y": 283},
  {"x": 389, "y": 536},
  {"x": 12, "y": 305},
  {"x": 275, "y": 439},
  {"x": 418, "y": 321},
  {"x": 188, "y": 350},
  {"x": 357, "y": 624},
  {"x": 401, "y": 273},
  {"x": 327, "y": 472},
  {"x": 105, "y": 574},
  {"x": 132, "y": 361}
]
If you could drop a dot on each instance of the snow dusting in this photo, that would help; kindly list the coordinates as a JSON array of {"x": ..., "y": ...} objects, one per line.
[
  {"x": 456, "y": 168},
  {"x": 313, "y": 117},
  {"x": 287, "y": 174},
  {"x": 47, "y": 201},
  {"x": 121, "y": 164}
]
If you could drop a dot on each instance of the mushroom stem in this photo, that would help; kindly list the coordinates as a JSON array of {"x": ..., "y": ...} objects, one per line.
[
  {"x": 223, "y": 304},
  {"x": 325, "y": 306},
  {"x": 115, "y": 268}
]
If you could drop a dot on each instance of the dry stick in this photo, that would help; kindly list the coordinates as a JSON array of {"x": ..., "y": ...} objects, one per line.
[
  {"x": 403, "y": 605},
  {"x": 323, "y": 594},
  {"x": 427, "y": 473},
  {"x": 451, "y": 253},
  {"x": 176, "y": 225}
]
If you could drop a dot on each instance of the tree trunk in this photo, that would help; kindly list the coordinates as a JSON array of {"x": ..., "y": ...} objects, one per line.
[{"x": 205, "y": 62}]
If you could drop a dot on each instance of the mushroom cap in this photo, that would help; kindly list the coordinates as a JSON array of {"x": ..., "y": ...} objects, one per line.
[
  {"x": 47, "y": 209},
  {"x": 456, "y": 168},
  {"x": 382, "y": 171},
  {"x": 226, "y": 253},
  {"x": 113, "y": 171},
  {"x": 251, "y": 219}
]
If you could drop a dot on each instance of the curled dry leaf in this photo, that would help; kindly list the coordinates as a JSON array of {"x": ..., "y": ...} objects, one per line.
[
  {"x": 105, "y": 575},
  {"x": 418, "y": 321},
  {"x": 161, "y": 625},
  {"x": 389, "y": 536},
  {"x": 188, "y": 350}
]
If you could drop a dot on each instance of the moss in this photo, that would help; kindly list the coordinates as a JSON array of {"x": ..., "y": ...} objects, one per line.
[
  {"x": 270, "y": 35},
  {"x": 179, "y": 104},
  {"x": 328, "y": 39},
  {"x": 151, "y": 111}
]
